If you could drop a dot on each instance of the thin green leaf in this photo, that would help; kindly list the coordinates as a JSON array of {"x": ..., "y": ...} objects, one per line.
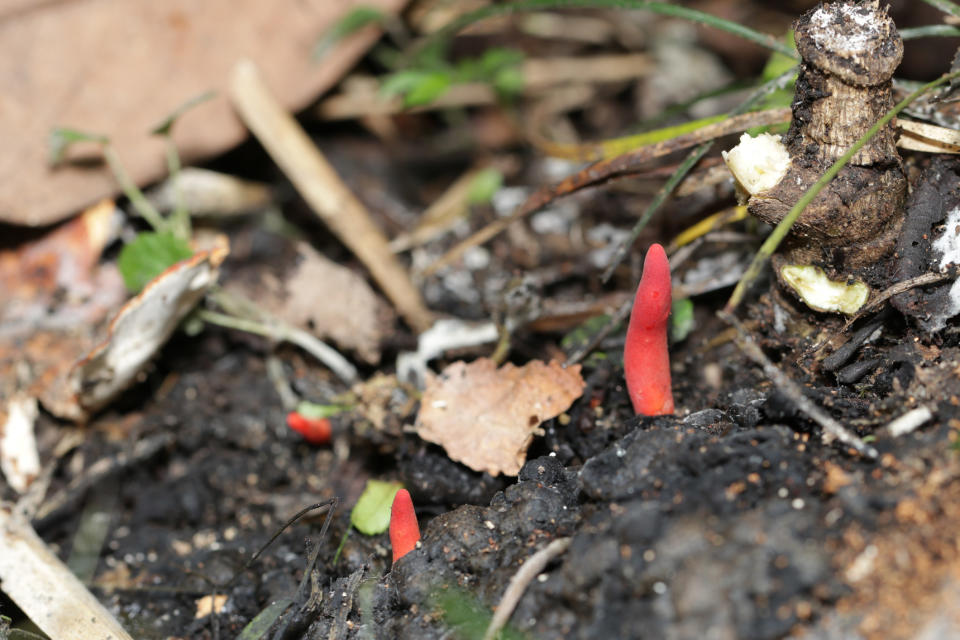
[
  {"x": 681, "y": 319},
  {"x": 484, "y": 186},
  {"x": 416, "y": 86},
  {"x": 354, "y": 21},
  {"x": 164, "y": 127},
  {"x": 930, "y": 31},
  {"x": 431, "y": 87},
  {"x": 148, "y": 256},
  {"x": 508, "y": 82},
  {"x": 371, "y": 515},
  {"x": 582, "y": 334},
  {"x": 496, "y": 59},
  {"x": 469, "y": 617},
  {"x": 259, "y": 626},
  {"x": 783, "y": 228},
  {"x": 61, "y": 138},
  {"x": 314, "y": 411},
  {"x": 778, "y": 64}
]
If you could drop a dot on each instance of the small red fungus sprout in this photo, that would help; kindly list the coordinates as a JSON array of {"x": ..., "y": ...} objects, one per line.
[
  {"x": 313, "y": 430},
  {"x": 646, "y": 362},
  {"x": 404, "y": 530}
]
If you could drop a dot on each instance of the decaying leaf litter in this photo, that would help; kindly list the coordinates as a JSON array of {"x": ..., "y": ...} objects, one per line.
[{"x": 736, "y": 516}]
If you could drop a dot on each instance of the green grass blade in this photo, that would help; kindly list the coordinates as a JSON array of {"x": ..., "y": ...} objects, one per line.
[
  {"x": 946, "y": 6},
  {"x": 689, "y": 162},
  {"x": 930, "y": 31}
]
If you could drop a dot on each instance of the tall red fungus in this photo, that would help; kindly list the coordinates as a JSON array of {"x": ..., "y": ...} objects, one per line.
[
  {"x": 404, "y": 530},
  {"x": 646, "y": 362}
]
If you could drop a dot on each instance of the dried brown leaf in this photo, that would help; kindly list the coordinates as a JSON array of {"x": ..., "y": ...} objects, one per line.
[
  {"x": 120, "y": 67},
  {"x": 486, "y": 417},
  {"x": 334, "y": 302}
]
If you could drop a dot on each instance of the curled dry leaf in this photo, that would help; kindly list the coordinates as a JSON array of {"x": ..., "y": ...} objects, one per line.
[
  {"x": 141, "y": 328},
  {"x": 486, "y": 417}
]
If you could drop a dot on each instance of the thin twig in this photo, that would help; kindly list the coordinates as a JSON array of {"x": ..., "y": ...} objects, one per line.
[
  {"x": 306, "y": 581},
  {"x": 281, "y": 332},
  {"x": 600, "y": 172},
  {"x": 519, "y": 582},
  {"x": 689, "y": 162},
  {"x": 897, "y": 288},
  {"x": 130, "y": 189},
  {"x": 73, "y": 494},
  {"x": 618, "y": 317},
  {"x": 245, "y": 315},
  {"x": 793, "y": 391}
]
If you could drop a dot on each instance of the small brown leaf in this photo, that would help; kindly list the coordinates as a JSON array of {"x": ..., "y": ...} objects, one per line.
[
  {"x": 486, "y": 417},
  {"x": 334, "y": 302}
]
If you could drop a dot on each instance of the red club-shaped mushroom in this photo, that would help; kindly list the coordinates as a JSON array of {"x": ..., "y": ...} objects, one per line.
[
  {"x": 404, "y": 530},
  {"x": 646, "y": 362},
  {"x": 313, "y": 430}
]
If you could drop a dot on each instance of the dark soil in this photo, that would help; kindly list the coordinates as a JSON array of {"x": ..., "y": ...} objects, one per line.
[
  {"x": 735, "y": 521},
  {"x": 735, "y": 518}
]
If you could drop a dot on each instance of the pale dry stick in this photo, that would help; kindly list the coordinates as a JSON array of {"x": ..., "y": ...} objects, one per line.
[
  {"x": 282, "y": 332},
  {"x": 606, "y": 170},
  {"x": 518, "y": 584},
  {"x": 317, "y": 181},
  {"x": 921, "y": 136},
  {"x": 44, "y": 588},
  {"x": 793, "y": 391}
]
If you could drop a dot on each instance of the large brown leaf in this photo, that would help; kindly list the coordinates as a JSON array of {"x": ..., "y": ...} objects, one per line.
[{"x": 119, "y": 67}]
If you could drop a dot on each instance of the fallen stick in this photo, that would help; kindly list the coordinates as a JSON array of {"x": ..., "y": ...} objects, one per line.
[
  {"x": 45, "y": 589},
  {"x": 831, "y": 428},
  {"x": 318, "y": 183}
]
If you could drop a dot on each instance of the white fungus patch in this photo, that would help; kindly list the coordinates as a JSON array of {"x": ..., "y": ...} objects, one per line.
[
  {"x": 867, "y": 26},
  {"x": 758, "y": 164},
  {"x": 948, "y": 246}
]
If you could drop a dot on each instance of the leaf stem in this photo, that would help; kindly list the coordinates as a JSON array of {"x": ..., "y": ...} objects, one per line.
[{"x": 133, "y": 192}]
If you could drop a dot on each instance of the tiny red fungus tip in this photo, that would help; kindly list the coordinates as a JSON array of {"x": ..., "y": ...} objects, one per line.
[
  {"x": 313, "y": 430},
  {"x": 646, "y": 362},
  {"x": 404, "y": 530}
]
